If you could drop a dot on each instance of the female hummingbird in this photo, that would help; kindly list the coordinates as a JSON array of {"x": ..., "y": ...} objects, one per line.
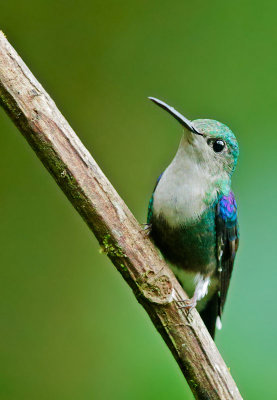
[{"x": 192, "y": 214}]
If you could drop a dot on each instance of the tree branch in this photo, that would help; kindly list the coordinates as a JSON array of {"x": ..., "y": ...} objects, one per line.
[{"x": 121, "y": 237}]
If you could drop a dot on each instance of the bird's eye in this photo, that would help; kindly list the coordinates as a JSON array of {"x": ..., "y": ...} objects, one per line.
[{"x": 217, "y": 145}]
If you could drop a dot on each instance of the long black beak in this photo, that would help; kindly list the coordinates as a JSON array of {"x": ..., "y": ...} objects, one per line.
[{"x": 183, "y": 120}]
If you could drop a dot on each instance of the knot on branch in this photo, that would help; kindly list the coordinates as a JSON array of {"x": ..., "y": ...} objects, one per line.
[{"x": 157, "y": 289}]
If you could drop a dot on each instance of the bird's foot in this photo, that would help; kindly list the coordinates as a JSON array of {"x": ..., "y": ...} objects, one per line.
[
  {"x": 146, "y": 229},
  {"x": 188, "y": 304}
]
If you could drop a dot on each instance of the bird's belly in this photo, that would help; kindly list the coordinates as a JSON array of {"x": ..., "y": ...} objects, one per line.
[{"x": 190, "y": 247}]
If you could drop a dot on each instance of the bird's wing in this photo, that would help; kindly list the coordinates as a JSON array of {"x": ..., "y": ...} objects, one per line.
[
  {"x": 227, "y": 244},
  {"x": 150, "y": 204}
]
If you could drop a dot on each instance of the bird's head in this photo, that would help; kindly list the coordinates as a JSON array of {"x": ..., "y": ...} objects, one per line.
[{"x": 211, "y": 144}]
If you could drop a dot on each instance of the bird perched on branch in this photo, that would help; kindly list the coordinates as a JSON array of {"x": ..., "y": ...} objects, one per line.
[{"x": 192, "y": 214}]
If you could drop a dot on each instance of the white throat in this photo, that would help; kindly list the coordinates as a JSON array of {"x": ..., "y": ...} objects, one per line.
[{"x": 190, "y": 183}]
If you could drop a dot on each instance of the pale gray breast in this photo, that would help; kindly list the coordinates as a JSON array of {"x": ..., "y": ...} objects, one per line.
[{"x": 182, "y": 193}]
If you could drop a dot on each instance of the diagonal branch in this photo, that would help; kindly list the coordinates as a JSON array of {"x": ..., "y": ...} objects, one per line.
[{"x": 121, "y": 237}]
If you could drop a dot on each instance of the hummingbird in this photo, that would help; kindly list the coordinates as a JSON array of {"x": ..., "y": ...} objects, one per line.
[{"x": 192, "y": 214}]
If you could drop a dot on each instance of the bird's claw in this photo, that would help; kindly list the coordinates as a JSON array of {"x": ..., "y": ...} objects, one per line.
[
  {"x": 188, "y": 304},
  {"x": 146, "y": 229}
]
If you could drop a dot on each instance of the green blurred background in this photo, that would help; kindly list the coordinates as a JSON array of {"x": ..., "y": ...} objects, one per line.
[{"x": 70, "y": 326}]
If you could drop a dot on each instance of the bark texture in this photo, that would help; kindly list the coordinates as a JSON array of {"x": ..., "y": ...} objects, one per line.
[{"x": 121, "y": 237}]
